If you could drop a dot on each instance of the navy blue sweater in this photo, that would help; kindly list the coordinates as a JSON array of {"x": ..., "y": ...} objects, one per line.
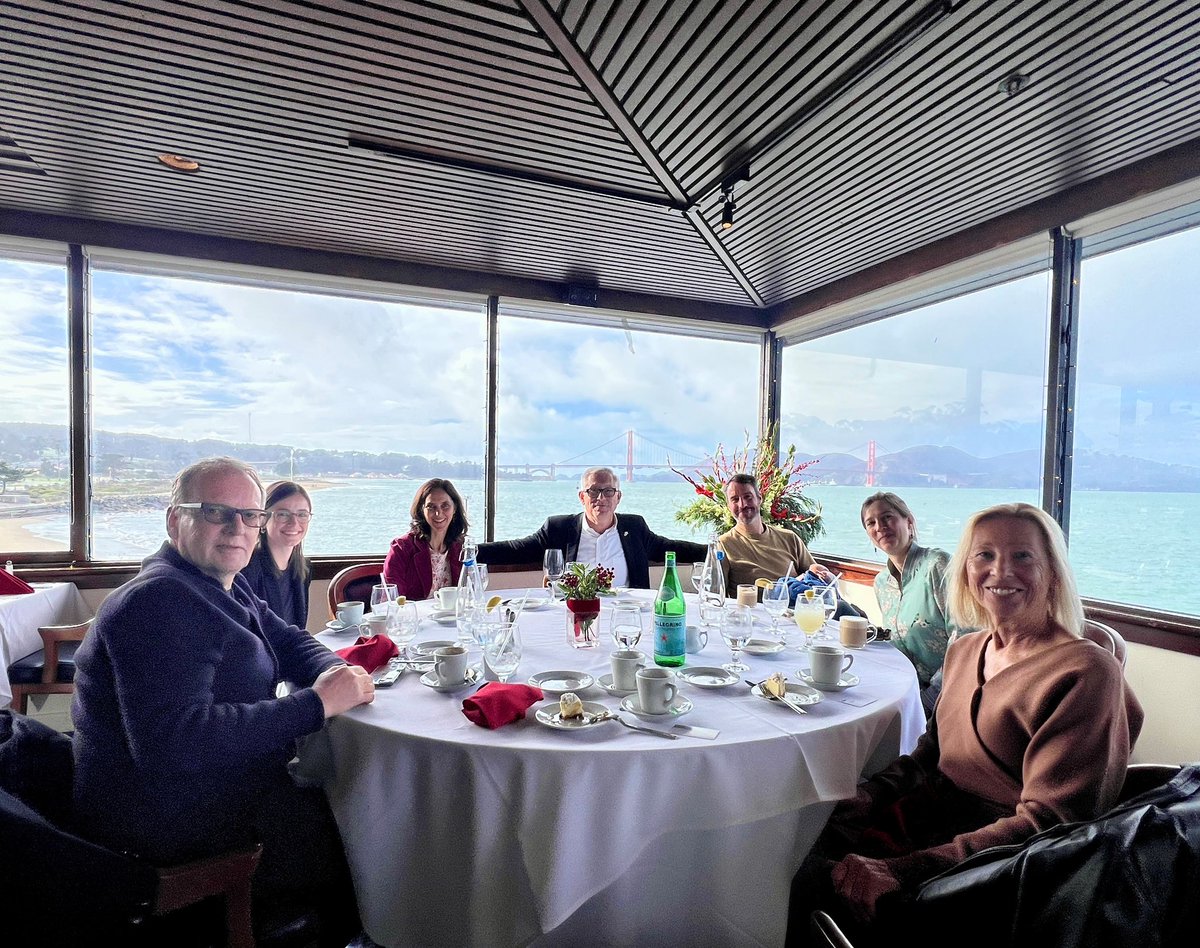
[
  {"x": 177, "y": 726},
  {"x": 285, "y": 592}
]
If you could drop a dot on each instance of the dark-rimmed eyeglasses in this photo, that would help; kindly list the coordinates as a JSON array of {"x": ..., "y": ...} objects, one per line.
[
  {"x": 430, "y": 509},
  {"x": 287, "y": 516},
  {"x": 223, "y": 514},
  {"x": 597, "y": 492}
]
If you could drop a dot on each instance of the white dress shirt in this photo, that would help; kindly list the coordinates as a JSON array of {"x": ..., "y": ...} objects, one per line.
[{"x": 603, "y": 549}]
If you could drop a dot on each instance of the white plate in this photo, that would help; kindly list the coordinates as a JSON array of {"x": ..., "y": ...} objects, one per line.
[
  {"x": 559, "y": 682},
  {"x": 679, "y": 707},
  {"x": 797, "y": 694},
  {"x": 548, "y": 715},
  {"x": 428, "y": 648},
  {"x": 430, "y": 681},
  {"x": 532, "y": 604},
  {"x": 762, "y": 647},
  {"x": 846, "y": 681},
  {"x": 441, "y": 614},
  {"x": 441, "y": 618},
  {"x": 606, "y": 682},
  {"x": 335, "y": 626},
  {"x": 707, "y": 676}
]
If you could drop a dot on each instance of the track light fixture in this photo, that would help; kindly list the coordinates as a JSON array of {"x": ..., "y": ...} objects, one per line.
[{"x": 727, "y": 207}]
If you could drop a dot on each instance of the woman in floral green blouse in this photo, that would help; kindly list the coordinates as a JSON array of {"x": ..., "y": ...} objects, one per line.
[{"x": 911, "y": 591}]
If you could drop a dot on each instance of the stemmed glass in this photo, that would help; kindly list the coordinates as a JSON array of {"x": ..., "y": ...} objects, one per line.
[
  {"x": 402, "y": 625},
  {"x": 775, "y": 602},
  {"x": 736, "y": 632},
  {"x": 482, "y": 570},
  {"x": 554, "y": 564},
  {"x": 828, "y": 596},
  {"x": 625, "y": 624},
  {"x": 381, "y": 595},
  {"x": 502, "y": 650},
  {"x": 809, "y": 613}
]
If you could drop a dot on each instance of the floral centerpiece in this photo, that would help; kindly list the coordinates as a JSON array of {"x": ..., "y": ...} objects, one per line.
[
  {"x": 582, "y": 586},
  {"x": 781, "y": 484}
]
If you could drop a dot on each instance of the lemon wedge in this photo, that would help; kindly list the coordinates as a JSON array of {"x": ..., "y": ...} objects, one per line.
[
  {"x": 763, "y": 583},
  {"x": 493, "y": 603},
  {"x": 810, "y": 594}
]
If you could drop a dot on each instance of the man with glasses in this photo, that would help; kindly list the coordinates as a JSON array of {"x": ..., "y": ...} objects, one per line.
[
  {"x": 598, "y": 537},
  {"x": 181, "y": 743}
]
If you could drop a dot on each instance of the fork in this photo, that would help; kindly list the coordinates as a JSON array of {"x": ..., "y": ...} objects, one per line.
[{"x": 613, "y": 716}]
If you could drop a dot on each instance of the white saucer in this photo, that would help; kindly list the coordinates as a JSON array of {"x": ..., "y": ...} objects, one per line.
[
  {"x": 532, "y": 604},
  {"x": 441, "y": 614},
  {"x": 548, "y": 715},
  {"x": 334, "y": 626},
  {"x": 708, "y": 676},
  {"x": 846, "y": 681},
  {"x": 430, "y": 681},
  {"x": 762, "y": 647},
  {"x": 797, "y": 694},
  {"x": 606, "y": 682},
  {"x": 679, "y": 707},
  {"x": 428, "y": 648},
  {"x": 559, "y": 682}
]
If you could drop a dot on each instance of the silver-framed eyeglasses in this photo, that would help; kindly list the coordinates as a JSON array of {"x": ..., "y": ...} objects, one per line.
[
  {"x": 223, "y": 514},
  {"x": 287, "y": 516},
  {"x": 597, "y": 492}
]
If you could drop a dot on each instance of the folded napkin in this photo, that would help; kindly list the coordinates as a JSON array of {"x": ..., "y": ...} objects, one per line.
[
  {"x": 370, "y": 653},
  {"x": 495, "y": 705},
  {"x": 10, "y": 585}
]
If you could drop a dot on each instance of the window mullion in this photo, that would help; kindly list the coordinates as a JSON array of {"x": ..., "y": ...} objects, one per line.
[
  {"x": 79, "y": 354},
  {"x": 1061, "y": 360}
]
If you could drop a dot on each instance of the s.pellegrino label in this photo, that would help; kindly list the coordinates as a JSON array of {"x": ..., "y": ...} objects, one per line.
[{"x": 670, "y": 619}]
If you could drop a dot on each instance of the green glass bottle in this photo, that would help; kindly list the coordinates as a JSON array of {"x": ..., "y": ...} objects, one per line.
[{"x": 670, "y": 619}]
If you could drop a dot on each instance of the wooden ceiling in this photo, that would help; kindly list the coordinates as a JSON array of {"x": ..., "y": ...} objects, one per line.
[{"x": 541, "y": 143}]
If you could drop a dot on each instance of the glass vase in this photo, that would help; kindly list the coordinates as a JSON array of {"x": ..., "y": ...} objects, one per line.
[{"x": 583, "y": 623}]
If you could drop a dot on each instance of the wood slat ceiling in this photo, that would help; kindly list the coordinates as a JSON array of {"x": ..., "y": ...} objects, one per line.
[{"x": 579, "y": 141}]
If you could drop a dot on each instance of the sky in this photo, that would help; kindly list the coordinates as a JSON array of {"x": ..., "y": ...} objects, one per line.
[{"x": 197, "y": 359}]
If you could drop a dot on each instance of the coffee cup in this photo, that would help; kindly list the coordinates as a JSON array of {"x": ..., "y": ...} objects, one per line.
[
  {"x": 450, "y": 664},
  {"x": 855, "y": 631},
  {"x": 447, "y": 597},
  {"x": 747, "y": 594},
  {"x": 656, "y": 690},
  {"x": 625, "y": 665},
  {"x": 350, "y": 613},
  {"x": 697, "y": 638},
  {"x": 827, "y": 664},
  {"x": 378, "y": 622}
]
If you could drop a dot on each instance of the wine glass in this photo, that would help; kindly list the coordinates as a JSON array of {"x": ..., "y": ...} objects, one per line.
[
  {"x": 775, "y": 602},
  {"x": 502, "y": 650},
  {"x": 736, "y": 632},
  {"x": 482, "y": 570},
  {"x": 554, "y": 564},
  {"x": 697, "y": 575},
  {"x": 809, "y": 613},
  {"x": 402, "y": 624},
  {"x": 828, "y": 595},
  {"x": 381, "y": 595},
  {"x": 625, "y": 624}
]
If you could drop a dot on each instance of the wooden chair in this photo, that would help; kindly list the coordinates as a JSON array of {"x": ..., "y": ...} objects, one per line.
[
  {"x": 1106, "y": 637},
  {"x": 51, "y": 669},
  {"x": 353, "y": 583}
]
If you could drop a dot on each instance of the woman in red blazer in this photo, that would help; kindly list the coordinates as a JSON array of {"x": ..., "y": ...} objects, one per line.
[{"x": 428, "y": 557}]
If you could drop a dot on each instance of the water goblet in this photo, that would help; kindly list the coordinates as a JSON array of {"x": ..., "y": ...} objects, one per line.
[
  {"x": 554, "y": 564},
  {"x": 381, "y": 595},
  {"x": 828, "y": 595},
  {"x": 736, "y": 632},
  {"x": 775, "y": 602},
  {"x": 502, "y": 650},
  {"x": 402, "y": 623},
  {"x": 482, "y": 570},
  {"x": 625, "y": 624}
]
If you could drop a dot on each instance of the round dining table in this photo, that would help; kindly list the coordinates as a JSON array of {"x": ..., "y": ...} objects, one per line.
[{"x": 525, "y": 834}]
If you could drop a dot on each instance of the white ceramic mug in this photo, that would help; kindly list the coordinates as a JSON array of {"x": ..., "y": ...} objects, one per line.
[
  {"x": 450, "y": 664},
  {"x": 378, "y": 623},
  {"x": 447, "y": 597},
  {"x": 350, "y": 613},
  {"x": 656, "y": 689},
  {"x": 855, "y": 631},
  {"x": 697, "y": 638},
  {"x": 827, "y": 663},
  {"x": 625, "y": 665}
]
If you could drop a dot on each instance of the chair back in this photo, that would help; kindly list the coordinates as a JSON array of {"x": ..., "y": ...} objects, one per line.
[
  {"x": 1106, "y": 637},
  {"x": 354, "y": 583}
]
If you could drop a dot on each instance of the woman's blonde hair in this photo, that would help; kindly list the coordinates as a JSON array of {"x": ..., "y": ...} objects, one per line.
[{"x": 1066, "y": 609}]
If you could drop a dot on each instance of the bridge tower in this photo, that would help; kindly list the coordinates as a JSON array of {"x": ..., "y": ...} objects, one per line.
[
  {"x": 871, "y": 463},
  {"x": 629, "y": 456}
]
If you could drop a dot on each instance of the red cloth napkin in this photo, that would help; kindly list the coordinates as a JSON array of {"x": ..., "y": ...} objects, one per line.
[
  {"x": 11, "y": 585},
  {"x": 370, "y": 653},
  {"x": 495, "y": 705}
]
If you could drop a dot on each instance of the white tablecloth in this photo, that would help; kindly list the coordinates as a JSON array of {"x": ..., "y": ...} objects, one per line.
[
  {"x": 459, "y": 835},
  {"x": 21, "y": 616}
]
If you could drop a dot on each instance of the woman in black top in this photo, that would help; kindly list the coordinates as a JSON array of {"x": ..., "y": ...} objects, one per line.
[{"x": 278, "y": 571}]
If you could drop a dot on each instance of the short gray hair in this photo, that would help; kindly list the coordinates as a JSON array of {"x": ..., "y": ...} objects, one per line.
[
  {"x": 592, "y": 471},
  {"x": 185, "y": 481}
]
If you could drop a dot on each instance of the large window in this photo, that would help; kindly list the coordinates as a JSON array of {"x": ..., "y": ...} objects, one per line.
[
  {"x": 35, "y": 471},
  {"x": 359, "y": 400},
  {"x": 574, "y": 396},
  {"x": 942, "y": 405},
  {"x": 1136, "y": 484}
]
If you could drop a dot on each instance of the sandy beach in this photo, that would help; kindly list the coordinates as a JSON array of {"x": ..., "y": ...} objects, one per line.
[{"x": 15, "y": 536}]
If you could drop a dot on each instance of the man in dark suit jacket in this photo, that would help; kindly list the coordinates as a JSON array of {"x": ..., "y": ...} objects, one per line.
[{"x": 600, "y": 536}]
